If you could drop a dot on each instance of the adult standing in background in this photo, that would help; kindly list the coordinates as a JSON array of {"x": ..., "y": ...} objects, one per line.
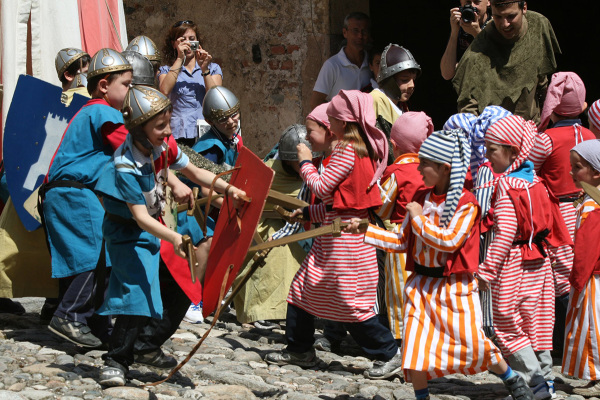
[
  {"x": 508, "y": 63},
  {"x": 465, "y": 25},
  {"x": 185, "y": 79},
  {"x": 349, "y": 68}
]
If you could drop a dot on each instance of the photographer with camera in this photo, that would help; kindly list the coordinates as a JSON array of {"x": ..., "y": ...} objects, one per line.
[
  {"x": 188, "y": 74},
  {"x": 466, "y": 22}
]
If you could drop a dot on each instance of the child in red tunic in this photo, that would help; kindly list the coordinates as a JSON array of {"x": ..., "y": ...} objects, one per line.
[
  {"x": 527, "y": 230},
  {"x": 338, "y": 278},
  {"x": 565, "y": 100}
]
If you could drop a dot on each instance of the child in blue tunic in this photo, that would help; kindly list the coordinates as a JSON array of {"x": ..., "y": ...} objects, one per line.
[
  {"x": 133, "y": 195},
  {"x": 72, "y": 212}
]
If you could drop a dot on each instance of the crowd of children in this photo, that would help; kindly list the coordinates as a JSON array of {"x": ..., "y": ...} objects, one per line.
[{"x": 491, "y": 265}]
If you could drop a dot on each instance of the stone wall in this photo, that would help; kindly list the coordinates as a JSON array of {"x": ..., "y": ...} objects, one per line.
[{"x": 291, "y": 39}]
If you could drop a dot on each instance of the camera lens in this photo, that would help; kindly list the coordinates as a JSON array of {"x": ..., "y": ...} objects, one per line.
[{"x": 468, "y": 13}]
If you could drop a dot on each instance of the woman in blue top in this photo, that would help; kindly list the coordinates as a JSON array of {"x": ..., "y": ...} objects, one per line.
[
  {"x": 185, "y": 78},
  {"x": 133, "y": 190}
]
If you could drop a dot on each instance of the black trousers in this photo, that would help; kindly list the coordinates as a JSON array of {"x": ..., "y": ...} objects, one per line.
[
  {"x": 134, "y": 334},
  {"x": 76, "y": 295},
  {"x": 375, "y": 339}
]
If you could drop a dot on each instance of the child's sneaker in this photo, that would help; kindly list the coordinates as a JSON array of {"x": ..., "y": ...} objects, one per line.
[
  {"x": 194, "y": 314},
  {"x": 551, "y": 389},
  {"x": 518, "y": 388},
  {"x": 541, "y": 392},
  {"x": 112, "y": 376}
]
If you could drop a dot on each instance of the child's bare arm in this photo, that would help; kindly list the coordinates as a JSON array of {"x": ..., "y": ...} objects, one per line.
[{"x": 152, "y": 226}]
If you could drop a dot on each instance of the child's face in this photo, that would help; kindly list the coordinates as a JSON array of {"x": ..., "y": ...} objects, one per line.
[
  {"x": 158, "y": 128},
  {"x": 317, "y": 136},
  {"x": 500, "y": 156},
  {"x": 582, "y": 171},
  {"x": 337, "y": 127},
  {"x": 433, "y": 172},
  {"x": 228, "y": 126},
  {"x": 374, "y": 66},
  {"x": 406, "y": 83},
  {"x": 117, "y": 89}
]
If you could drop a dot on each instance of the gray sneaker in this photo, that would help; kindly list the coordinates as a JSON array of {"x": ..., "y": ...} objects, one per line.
[
  {"x": 75, "y": 332},
  {"x": 385, "y": 369},
  {"x": 284, "y": 357},
  {"x": 112, "y": 376}
]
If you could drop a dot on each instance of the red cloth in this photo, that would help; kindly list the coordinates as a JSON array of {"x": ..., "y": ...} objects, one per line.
[
  {"x": 546, "y": 215},
  {"x": 408, "y": 181},
  {"x": 555, "y": 170},
  {"x": 587, "y": 251},
  {"x": 96, "y": 25},
  {"x": 354, "y": 192},
  {"x": 467, "y": 258}
]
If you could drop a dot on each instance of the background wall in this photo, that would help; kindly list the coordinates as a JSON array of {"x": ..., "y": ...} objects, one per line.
[{"x": 293, "y": 37}]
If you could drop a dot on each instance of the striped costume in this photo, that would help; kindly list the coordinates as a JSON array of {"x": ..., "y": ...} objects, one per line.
[
  {"x": 581, "y": 356},
  {"x": 442, "y": 316},
  {"x": 400, "y": 182},
  {"x": 338, "y": 278},
  {"x": 550, "y": 156},
  {"x": 522, "y": 291}
]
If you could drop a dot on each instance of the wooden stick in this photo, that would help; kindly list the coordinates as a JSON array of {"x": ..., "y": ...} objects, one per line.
[
  {"x": 285, "y": 200},
  {"x": 334, "y": 229}
]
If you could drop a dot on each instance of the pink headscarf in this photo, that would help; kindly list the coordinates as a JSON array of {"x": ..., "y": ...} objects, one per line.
[
  {"x": 356, "y": 106},
  {"x": 410, "y": 131},
  {"x": 319, "y": 115},
  {"x": 594, "y": 114},
  {"x": 565, "y": 96},
  {"x": 512, "y": 131}
]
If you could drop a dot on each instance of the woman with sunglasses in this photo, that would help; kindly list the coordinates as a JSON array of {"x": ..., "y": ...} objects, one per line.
[{"x": 186, "y": 77}]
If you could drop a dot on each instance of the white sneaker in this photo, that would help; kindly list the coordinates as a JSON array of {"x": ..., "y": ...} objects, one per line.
[{"x": 194, "y": 314}]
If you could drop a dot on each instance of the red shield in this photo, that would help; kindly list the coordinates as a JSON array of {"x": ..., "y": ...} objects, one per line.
[{"x": 230, "y": 243}]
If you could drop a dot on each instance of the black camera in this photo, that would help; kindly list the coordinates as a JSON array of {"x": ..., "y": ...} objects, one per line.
[{"x": 468, "y": 13}]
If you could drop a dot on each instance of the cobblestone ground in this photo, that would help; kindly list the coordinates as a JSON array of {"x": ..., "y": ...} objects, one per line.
[{"x": 35, "y": 364}]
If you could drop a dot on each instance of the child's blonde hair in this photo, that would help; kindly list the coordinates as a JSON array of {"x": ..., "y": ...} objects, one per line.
[{"x": 356, "y": 136}]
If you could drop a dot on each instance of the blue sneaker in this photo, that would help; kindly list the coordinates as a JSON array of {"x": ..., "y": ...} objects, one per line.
[{"x": 541, "y": 392}]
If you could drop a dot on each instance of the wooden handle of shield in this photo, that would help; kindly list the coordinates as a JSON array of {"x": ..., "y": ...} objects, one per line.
[
  {"x": 287, "y": 215},
  {"x": 188, "y": 248},
  {"x": 190, "y": 210}
]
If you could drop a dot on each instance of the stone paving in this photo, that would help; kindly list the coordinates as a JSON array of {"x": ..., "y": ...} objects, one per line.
[{"x": 35, "y": 364}]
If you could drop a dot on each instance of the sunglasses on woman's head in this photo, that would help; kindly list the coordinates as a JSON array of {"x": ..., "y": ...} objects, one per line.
[{"x": 178, "y": 24}]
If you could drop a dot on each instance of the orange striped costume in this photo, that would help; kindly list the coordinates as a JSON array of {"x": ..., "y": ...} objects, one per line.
[
  {"x": 395, "y": 273},
  {"x": 442, "y": 316},
  {"x": 581, "y": 354}
]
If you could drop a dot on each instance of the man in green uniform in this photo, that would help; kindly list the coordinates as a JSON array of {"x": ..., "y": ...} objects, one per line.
[{"x": 508, "y": 63}]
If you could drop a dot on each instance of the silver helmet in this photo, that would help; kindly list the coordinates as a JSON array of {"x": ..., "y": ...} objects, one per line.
[
  {"x": 145, "y": 46},
  {"x": 395, "y": 59},
  {"x": 143, "y": 73},
  {"x": 142, "y": 103},
  {"x": 290, "y": 138},
  {"x": 107, "y": 61},
  {"x": 80, "y": 80},
  {"x": 219, "y": 103},
  {"x": 66, "y": 57}
]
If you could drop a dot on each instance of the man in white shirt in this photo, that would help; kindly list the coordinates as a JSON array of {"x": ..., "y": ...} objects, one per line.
[{"x": 349, "y": 68}]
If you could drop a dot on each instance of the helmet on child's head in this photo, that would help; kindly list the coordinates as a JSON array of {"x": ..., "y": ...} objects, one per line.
[
  {"x": 143, "y": 72},
  {"x": 66, "y": 57},
  {"x": 219, "y": 103},
  {"x": 141, "y": 104},
  {"x": 145, "y": 46},
  {"x": 395, "y": 59},
  {"x": 80, "y": 80},
  {"x": 107, "y": 61},
  {"x": 290, "y": 138}
]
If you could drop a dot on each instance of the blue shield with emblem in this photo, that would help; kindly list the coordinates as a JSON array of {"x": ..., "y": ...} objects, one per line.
[{"x": 35, "y": 124}]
